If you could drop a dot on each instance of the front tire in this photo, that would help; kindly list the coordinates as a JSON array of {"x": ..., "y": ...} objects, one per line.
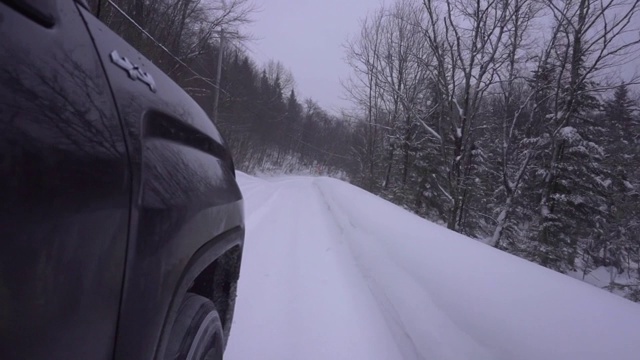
[{"x": 197, "y": 331}]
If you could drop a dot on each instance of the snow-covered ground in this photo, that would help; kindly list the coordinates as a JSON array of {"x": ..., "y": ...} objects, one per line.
[{"x": 333, "y": 272}]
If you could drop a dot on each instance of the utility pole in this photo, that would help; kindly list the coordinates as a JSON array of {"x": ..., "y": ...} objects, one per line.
[{"x": 216, "y": 97}]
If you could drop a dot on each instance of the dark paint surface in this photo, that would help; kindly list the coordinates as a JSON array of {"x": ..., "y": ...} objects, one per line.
[
  {"x": 64, "y": 192},
  {"x": 184, "y": 191},
  {"x": 103, "y": 204}
]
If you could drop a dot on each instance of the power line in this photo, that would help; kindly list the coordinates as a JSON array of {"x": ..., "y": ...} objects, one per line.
[
  {"x": 164, "y": 48},
  {"x": 321, "y": 150}
]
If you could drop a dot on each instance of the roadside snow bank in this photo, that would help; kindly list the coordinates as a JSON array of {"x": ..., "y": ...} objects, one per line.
[{"x": 456, "y": 298}]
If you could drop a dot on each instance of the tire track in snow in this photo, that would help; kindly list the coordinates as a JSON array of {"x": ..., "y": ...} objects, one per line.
[
  {"x": 402, "y": 337},
  {"x": 375, "y": 257},
  {"x": 300, "y": 294},
  {"x": 259, "y": 213}
]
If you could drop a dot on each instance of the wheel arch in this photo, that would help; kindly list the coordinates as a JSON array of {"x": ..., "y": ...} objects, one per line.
[{"x": 212, "y": 272}]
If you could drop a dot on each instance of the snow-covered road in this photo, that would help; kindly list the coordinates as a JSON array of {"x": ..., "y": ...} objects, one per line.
[{"x": 332, "y": 272}]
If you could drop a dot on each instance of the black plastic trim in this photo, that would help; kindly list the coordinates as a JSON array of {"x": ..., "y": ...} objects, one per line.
[{"x": 160, "y": 125}]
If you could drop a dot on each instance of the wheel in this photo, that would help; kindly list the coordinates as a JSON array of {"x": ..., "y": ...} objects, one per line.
[{"x": 197, "y": 331}]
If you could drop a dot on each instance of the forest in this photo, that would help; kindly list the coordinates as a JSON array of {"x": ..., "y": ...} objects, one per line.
[{"x": 514, "y": 122}]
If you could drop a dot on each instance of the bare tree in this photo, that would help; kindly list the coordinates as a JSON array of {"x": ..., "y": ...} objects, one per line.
[
  {"x": 174, "y": 32},
  {"x": 466, "y": 39},
  {"x": 276, "y": 71},
  {"x": 517, "y": 103},
  {"x": 363, "y": 56},
  {"x": 402, "y": 76}
]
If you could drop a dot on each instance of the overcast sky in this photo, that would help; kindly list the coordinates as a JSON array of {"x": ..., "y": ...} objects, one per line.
[{"x": 307, "y": 36}]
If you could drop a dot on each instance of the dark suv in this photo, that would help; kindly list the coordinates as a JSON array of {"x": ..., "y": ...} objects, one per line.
[{"x": 121, "y": 223}]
